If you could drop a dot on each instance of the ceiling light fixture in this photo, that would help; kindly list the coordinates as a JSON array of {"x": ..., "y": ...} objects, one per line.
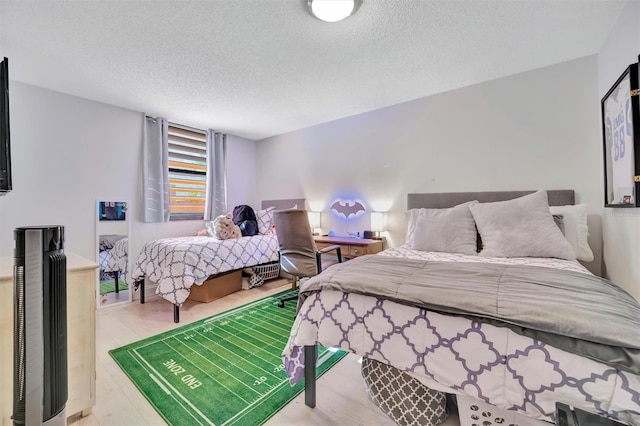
[{"x": 332, "y": 10}]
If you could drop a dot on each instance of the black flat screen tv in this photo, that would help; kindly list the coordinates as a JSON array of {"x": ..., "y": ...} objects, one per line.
[{"x": 5, "y": 138}]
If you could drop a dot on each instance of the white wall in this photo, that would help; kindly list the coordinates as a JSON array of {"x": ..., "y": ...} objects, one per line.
[
  {"x": 533, "y": 130},
  {"x": 621, "y": 227},
  {"x": 67, "y": 152}
]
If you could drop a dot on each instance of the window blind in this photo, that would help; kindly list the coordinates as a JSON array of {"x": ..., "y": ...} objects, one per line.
[{"x": 187, "y": 172}]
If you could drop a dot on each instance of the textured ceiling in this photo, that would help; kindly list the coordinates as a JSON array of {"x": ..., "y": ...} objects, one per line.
[{"x": 257, "y": 68}]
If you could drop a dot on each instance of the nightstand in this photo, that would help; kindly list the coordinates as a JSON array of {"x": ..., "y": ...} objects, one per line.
[{"x": 351, "y": 247}]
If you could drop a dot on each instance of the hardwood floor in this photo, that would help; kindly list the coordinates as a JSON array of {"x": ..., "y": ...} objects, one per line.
[
  {"x": 341, "y": 397},
  {"x": 113, "y": 297}
]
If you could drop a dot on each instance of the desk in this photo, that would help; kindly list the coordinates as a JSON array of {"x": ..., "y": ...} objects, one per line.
[{"x": 351, "y": 247}]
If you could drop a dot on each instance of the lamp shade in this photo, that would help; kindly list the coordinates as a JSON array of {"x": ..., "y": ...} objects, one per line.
[
  {"x": 314, "y": 220},
  {"x": 377, "y": 221}
]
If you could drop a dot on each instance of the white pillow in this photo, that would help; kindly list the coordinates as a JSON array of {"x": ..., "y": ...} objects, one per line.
[
  {"x": 411, "y": 217},
  {"x": 522, "y": 227},
  {"x": 265, "y": 220},
  {"x": 576, "y": 230},
  {"x": 449, "y": 230}
]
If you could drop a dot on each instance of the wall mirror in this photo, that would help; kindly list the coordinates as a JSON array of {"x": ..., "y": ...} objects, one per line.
[{"x": 112, "y": 253}]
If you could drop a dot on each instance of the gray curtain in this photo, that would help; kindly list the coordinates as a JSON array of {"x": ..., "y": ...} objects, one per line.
[
  {"x": 216, "y": 203},
  {"x": 155, "y": 170}
]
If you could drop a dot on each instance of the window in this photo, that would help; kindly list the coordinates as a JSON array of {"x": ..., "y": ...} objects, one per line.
[{"x": 187, "y": 172}]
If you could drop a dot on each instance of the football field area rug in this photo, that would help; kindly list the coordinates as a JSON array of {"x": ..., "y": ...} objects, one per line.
[
  {"x": 109, "y": 286},
  {"x": 223, "y": 370}
]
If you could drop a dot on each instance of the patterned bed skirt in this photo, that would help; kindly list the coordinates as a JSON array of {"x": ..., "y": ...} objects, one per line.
[{"x": 462, "y": 356}]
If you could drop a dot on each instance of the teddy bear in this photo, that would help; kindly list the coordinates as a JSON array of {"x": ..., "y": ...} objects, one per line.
[{"x": 223, "y": 227}]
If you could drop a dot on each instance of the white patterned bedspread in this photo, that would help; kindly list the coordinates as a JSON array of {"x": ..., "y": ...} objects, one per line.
[
  {"x": 461, "y": 355},
  {"x": 175, "y": 264},
  {"x": 117, "y": 259}
]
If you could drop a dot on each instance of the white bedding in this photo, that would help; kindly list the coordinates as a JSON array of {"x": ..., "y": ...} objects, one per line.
[
  {"x": 462, "y": 355},
  {"x": 548, "y": 262},
  {"x": 175, "y": 264}
]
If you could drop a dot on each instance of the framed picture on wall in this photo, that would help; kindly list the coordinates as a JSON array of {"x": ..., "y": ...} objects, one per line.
[
  {"x": 621, "y": 132},
  {"x": 112, "y": 210}
]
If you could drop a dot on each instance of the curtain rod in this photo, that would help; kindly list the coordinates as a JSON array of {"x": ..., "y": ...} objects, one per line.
[{"x": 182, "y": 126}]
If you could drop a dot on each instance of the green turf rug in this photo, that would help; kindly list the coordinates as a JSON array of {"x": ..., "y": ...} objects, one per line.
[
  {"x": 109, "y": 286},
  {"x": 223, "y": 370}
]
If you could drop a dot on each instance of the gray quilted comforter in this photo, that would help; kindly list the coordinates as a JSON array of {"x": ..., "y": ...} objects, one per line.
[{"x": 577, "y": 312}]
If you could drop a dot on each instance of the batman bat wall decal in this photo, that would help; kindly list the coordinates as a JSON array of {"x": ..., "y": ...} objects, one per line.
[{"x": 348, "y": 208}]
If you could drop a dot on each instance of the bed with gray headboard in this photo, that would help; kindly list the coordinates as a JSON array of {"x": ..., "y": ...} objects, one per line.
[
  {"x": 441, "y": 200},
  {"x": 517, "y": 323}
]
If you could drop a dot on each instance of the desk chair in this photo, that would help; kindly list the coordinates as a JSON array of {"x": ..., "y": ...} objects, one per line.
[{"x": 299, "y": 255}]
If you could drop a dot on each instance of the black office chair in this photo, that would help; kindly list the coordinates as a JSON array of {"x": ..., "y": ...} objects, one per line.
[{"x": 299, "y": 255}]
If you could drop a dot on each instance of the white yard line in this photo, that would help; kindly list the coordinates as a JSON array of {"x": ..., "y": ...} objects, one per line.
[
  {"x": 174, "y": 390},
  {"x": 243, "y": 359},
  {"x": 159, "y": 383},
  {"x": 169, "y": 392},
  {"x": 320, "y": 361},
  {"x": 232, "y": 328},
  {"x": 262, "y": 321},
  {"x": 209, "y": 375}
]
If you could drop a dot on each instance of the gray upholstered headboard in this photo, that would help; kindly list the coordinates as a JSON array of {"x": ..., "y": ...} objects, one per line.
[
  {"x": 557, "y": 197},
  {"x": 294, "y": 203}
]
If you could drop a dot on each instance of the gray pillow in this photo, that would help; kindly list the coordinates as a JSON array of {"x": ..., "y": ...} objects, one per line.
[
  {"x": 445, "y": 230},
  {"x": 557, "y": 218},
  {"x": 522, "y": 227}
]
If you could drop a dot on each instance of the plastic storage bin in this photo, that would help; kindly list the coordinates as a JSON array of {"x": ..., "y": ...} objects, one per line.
[
  {"x": 473, "y": 412},
  {"x": 268, "y": 270}
]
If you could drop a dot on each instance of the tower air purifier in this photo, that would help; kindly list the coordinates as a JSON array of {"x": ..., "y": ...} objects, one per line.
[{"x": 40, "y": 326}]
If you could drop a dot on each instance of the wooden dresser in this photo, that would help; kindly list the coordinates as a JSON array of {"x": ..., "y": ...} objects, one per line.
[
  {"x": 351, "y": 247},
  {"x": 81, "y": 332}
]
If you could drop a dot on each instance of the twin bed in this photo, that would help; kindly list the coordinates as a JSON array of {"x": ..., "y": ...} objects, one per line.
[
  {"x": 519, "y": 332},
  {"x": 175, "y": 264},
  {"x": 114, "y": 258}
]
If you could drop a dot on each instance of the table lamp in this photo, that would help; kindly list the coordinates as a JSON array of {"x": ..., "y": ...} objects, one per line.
[
  {"x": 377, "y": 224},
  {"x": 314, "y": 222}
]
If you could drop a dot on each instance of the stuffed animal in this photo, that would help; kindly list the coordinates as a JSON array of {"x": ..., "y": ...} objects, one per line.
[
  {"x": 223, "y": 228},
  {"x": 203, "y": 233}
]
